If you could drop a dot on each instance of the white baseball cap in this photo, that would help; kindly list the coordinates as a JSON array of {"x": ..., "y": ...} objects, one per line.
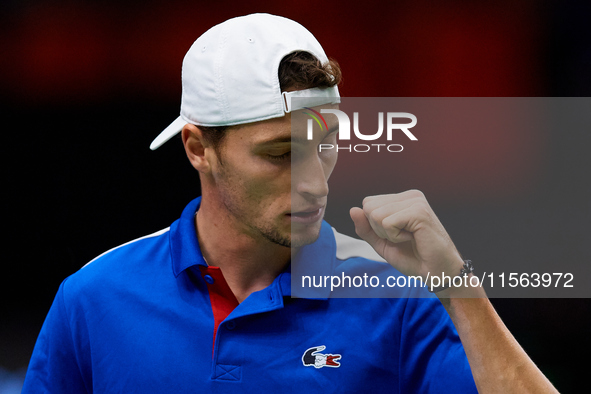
[{"x": 230, "y": 74}]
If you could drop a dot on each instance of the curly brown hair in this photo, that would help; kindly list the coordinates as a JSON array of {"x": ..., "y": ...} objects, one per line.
[
  {"x": 297, "y": 71},
  {"x": 301, "y": 70}
]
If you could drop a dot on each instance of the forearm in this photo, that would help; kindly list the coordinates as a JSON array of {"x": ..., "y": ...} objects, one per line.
[
  {"x": 405, "y": 231},
  {"x": 498, "y": 363}
]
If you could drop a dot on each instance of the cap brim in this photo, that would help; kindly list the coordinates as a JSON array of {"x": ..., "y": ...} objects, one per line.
[{"x": 173, "y": 129}]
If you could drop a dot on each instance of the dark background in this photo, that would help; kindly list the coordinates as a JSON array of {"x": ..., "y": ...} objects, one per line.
[{"x": 86, "y": 85}]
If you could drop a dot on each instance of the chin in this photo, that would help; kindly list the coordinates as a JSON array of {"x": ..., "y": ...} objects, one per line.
[{"x": 303, "y": 237}]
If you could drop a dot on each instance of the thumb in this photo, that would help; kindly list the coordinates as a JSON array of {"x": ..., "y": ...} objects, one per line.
[{"x": 363, "y": 227}]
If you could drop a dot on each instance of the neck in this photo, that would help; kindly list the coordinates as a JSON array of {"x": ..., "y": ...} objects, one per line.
[{"x": 248, "y": 263}]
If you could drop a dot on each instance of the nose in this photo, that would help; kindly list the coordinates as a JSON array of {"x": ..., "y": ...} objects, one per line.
[{"x": 310, "y": 177}]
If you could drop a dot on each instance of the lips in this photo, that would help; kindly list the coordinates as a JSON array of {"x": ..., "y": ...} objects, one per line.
[{"x": 307, "y": 215}]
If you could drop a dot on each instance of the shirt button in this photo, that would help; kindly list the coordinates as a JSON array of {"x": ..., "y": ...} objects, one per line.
[
  {"x": 208, "y": 279},
  {"x": 231, "y": 325}
]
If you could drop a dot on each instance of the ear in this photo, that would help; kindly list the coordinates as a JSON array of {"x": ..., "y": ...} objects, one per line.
[{"x": 195, "y": 147}]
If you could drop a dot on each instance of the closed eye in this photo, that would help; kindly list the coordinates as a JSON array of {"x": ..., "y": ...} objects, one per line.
[{"x": 281, "y": 157}]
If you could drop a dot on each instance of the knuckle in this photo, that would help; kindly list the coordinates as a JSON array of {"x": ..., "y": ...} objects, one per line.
[
  {"x": 415, "y": 193},
  {"x": 422, "y": 209},
  {"x": 366, "y": 200},
  {"x": 393, "y": 233},
  {"x": 390, "y": 222},
  {"x": 374, "y": 217}
]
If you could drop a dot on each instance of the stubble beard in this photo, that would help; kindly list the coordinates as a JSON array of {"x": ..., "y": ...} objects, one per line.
[
  {"x": 275, "y": 237},
  {"x": 271, "y": 233},
  {"x": 267, "y": 231},
  {"x": 287, "y": 240}
]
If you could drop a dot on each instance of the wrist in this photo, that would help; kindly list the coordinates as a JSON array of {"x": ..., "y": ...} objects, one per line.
[
  {"x": 457, "y": 278},
  {"x": 468, "y": 289}
]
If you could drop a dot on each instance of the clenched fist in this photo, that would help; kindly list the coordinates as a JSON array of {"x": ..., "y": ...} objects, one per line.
[{"x": 404, "y": 230}]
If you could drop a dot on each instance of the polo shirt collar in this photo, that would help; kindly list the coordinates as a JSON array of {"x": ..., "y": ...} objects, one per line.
[
  {"x": 184, "y": 247},
  {"x": 318, "y": 258}
]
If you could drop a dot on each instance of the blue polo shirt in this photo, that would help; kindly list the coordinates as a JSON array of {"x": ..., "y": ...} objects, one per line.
[{"x": 151, "y": 317}]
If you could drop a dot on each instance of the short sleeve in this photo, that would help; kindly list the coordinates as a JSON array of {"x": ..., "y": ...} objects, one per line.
[
  {"x": 55, "y": 364},
  {"x": 432, "y": 356}
]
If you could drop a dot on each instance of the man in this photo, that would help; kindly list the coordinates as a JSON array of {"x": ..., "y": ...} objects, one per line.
[{"x": 205, "y": 306}]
